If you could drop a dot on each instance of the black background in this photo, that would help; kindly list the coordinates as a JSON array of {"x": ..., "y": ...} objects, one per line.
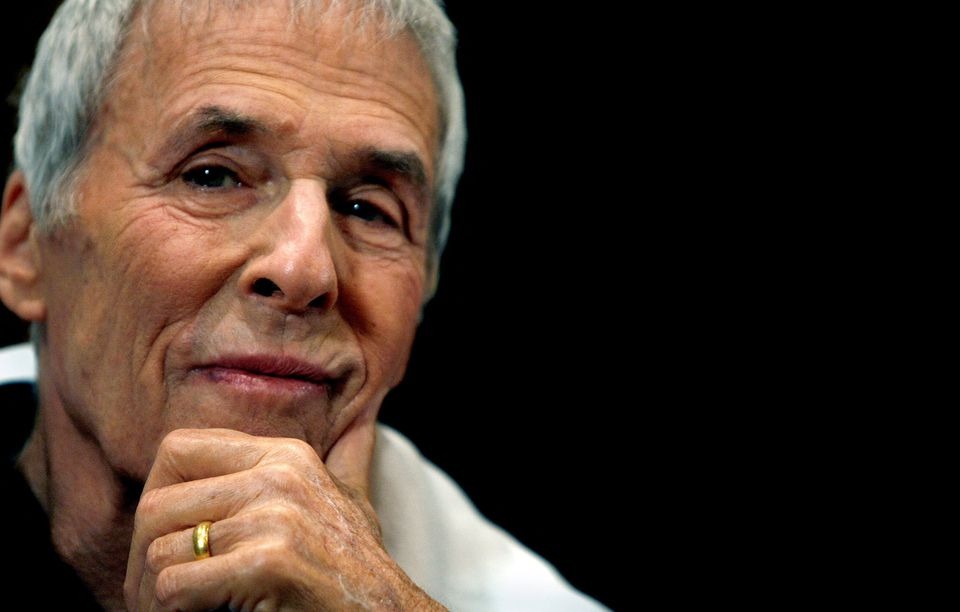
[{"x": 523, "y": 382}]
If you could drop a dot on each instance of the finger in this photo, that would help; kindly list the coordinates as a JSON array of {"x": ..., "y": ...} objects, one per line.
[
  {"x": 224, "y": 536},
  {"x": 176, "y": 509},
  {"x": 351, "y": 456},
  {"x": 179, "y": 507},
  {"x": 175, "y": 548},
  {"x": 162, "y": 553},
  {"x": 194, "y": 454},
  {"x": 253, "y": 577},
  {"x": 203, "y": 474},
  {"x": 156, "y": 544}
]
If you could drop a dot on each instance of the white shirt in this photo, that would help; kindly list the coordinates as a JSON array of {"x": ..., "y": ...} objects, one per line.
[{"x": 431, "y": 529}]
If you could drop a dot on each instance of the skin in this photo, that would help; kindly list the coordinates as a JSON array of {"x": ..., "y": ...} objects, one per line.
[{"x": 265, "y": 227}]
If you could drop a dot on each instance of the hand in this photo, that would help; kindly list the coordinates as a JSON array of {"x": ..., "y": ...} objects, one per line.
[{"x": 288, "y": 533}]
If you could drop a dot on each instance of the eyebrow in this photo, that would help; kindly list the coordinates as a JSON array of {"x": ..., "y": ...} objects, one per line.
[
  {"x": 209, "y": 121},
  {"x": 217, "y": 119},
  {"x": 407, "y": 165}
]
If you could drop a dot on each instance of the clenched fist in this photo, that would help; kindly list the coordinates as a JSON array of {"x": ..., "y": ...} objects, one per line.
[{"x": 289, "y": 532}]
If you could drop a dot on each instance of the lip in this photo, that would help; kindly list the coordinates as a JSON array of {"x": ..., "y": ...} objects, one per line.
[{"x": 268, "y": 373}]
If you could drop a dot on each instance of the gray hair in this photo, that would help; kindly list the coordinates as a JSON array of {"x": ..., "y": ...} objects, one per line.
[{"x": 78, "y": 53}]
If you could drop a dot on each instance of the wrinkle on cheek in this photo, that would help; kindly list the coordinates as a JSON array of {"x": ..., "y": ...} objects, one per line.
[
  {"x": 160, "y": 255},
  {"x": 392, "y": 320},
  {"x": 129, "y": 229},
  {"x": 186, "y": 224}
]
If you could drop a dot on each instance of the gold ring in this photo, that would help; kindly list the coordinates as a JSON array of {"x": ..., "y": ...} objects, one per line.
[{"x": 201, "y": 540}]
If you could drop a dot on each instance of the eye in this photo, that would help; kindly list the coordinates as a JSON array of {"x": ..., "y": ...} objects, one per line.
[
  {"x": 213, "y": 177},
  {"x": 364, "y": 210}
]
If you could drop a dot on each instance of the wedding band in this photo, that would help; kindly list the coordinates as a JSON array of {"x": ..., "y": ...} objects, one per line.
[{"x": 201, "y": 540}]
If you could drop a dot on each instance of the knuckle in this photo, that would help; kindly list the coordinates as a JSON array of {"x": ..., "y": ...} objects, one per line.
[
  {"x": 172, "y": 441},
  {"x": 268, "y": 561},
  {"x": 150, "y": 503},
  {"x": 300, "y": 450},
  {"x": 282, "y": 476},
  {"x": 283, "y": 522},
  {"x": 156, "y": 557},
  {"x": 166, "y": 589},
  {"x": 280, "y": 514},
  {"x": 179, "y": 439}
]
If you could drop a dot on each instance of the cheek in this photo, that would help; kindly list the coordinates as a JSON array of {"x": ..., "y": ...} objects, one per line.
[
  {"x": 124, "y": 291},
  {"x": 172, "y": 264},
  {"x": 75, "y": 316},
  {"x": 385, "y": 302}
]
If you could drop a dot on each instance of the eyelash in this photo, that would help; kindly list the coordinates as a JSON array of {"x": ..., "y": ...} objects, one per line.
[
  {"x": 350, "y": 207},
  {"x": 194, "y": 176}
]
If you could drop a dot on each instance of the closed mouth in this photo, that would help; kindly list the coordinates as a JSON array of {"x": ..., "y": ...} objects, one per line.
[{"x": 270, "y": 372}]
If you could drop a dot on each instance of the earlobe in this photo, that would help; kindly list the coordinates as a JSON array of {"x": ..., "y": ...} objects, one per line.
[{"x": 19, "y": 253}]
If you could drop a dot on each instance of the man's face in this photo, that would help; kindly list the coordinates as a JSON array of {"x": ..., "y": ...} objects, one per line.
[{"x": 251, "y": 239}]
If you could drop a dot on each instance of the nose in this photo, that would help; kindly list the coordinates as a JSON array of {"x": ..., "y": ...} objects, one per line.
[{"x": 294, "y": 265}]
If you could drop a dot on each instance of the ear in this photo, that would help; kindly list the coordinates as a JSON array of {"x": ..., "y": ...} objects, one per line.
[{"x": 19, "y": 253}]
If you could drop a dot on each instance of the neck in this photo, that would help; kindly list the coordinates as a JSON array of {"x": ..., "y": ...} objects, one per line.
[{"x": 91, "y": 519}]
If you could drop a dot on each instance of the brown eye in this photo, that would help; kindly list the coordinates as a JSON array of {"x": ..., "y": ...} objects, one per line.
[
  {"x": 213, "y": 177},
  {"x": 364, "y": 210}
]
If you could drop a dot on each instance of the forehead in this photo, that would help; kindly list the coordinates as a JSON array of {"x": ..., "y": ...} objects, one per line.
[{"x": 305, "y": 71}]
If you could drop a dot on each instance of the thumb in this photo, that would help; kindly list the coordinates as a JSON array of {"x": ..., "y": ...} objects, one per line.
[{"x": 351, "y": 456}]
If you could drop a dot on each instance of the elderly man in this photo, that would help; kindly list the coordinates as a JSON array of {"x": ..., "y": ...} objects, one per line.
[{"x": 224, "y": 221}]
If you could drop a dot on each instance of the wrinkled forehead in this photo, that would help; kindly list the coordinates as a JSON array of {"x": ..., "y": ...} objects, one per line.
[
  {"x": 334, "y": 29},
  {"x": 331, "y": 39}
]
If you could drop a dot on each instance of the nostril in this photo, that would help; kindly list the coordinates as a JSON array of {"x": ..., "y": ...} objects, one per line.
[{"x": 266, "y": 287}]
